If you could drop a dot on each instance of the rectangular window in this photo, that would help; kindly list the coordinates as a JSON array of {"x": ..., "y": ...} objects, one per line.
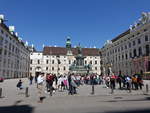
[
  {"x": 46, "y": 68},
  {"x": 129, "y": 45},
  {"x": 122, "y": 57},
  {"x": 146, "y": 38},
  {"x": 118, "y": 49},
  {"x": 130, "y": 55},
  {"x": 126, "y": 56},
  {"x": 64, "y": 68},
  {"x": 5, "y": 52},
  {"x": 139, "y": 41},
  {"x": 52, "y": 61},
  {"x": 2, "y": 31},
  {"x": 133, "y": 43},
  {"x": 95, "y": 62},
  {"x": 125, "y": 46},
  {"x": 91, "y": 62},
  {"x": 0, "y": 51},
  {"x": 53, "y": 68},
  {"x": 59, "y": 61},
  {"x": 38, "y": 61},
  {"x": 95, "y": 68},
  {"x": 46, "y": 61},
  {"x": 31, "y": 61},
  {"x": 13, "y": 48},
  {"x": 69, "y": 62}
]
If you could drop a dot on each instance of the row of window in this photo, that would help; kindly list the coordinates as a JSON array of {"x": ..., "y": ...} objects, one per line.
[
  {"x": 59, "y": 56},
  {"x": 14, "y": 74},
  {"x": 12, "y": 50},
  {"x": 16, "y": 64},
  {"x": 58, "y": 68},
  {"x": 59, "y": 62},
  {"x": 133, "y": 43},
  {"x": 134, "y": 53}
]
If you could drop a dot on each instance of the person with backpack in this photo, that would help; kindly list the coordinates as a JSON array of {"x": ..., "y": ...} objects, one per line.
[
  {"x": 19, "y": 85},
  {"x": 112, "y": 81},
  {"x": 31, "y": 79},
  {"x": 49, "y": 81}
]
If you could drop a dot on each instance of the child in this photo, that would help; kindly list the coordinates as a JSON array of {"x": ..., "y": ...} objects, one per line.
[{"x": 19, "y": 84}]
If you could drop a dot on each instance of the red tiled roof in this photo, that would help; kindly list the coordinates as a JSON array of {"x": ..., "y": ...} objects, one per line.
[
  {"x": 54, "y": 51},
  {"x": 63, "y": 51}
]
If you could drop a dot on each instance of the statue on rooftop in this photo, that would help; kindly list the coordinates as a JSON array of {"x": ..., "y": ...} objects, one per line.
[{"x": 79, "y": 49}]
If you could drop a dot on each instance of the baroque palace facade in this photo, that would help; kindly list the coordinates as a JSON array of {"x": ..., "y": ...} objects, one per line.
[
  {"x": 129, "y": 53},
  {"x": 14, "y": 53},
  {"x": 57, "y": 60}
]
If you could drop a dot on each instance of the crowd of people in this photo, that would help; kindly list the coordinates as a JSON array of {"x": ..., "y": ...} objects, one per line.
[
  {"x": 70, "y": 82},
  {"x": 134, "y": 82}
]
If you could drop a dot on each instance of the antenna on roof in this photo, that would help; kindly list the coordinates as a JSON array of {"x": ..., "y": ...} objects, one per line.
[
  {"x": 130, "y": 27},
  {"x": 11, "y": 29},
  {"x": 20, "y": 39},
  {"x": 2, "y": 19},
  {"x": 16, "y": 34},
  {"x": 32, "y": 46},
  {"x": 26, "y": 44}
]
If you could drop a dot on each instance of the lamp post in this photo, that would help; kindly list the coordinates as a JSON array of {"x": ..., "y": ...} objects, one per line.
[{"x": 92, "y": 79}]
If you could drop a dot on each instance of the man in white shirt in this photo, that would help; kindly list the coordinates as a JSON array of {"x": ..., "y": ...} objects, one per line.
[{"x": 40, "y": 81}]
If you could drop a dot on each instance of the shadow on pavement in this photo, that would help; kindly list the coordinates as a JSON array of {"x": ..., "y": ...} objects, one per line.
[
  {"x": 126, "y": 111},
  {"x": 16, "y": 108},
  {"x": 119, "y": 99},
  {"x": 132, "y": 111}
]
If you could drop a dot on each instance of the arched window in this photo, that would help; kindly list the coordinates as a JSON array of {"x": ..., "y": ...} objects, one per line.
[
  {"x": 146, "y": 37},
  {"x": 140, "y": 51},
  {"x": 134, "y": 53},
  {"x": 147, "y": 50}
]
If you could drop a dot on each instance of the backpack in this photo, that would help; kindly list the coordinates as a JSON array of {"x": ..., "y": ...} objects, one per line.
[{"x": 50, "y": 78}]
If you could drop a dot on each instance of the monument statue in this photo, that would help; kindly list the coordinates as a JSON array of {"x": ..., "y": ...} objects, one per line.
[
  {"x": 78, "y": 66},
  {"x": 79, "y": 49}
]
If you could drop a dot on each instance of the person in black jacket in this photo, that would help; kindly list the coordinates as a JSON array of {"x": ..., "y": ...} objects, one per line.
[
  {"x": 70, "y": 85},
  {"x": 19, "y": 84}
]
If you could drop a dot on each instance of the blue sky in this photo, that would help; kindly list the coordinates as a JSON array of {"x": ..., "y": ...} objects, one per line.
[{"x": 89, "y": 22}]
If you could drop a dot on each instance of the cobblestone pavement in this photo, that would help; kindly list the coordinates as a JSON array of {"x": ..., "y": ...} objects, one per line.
[{"x": 102, "y": 101}]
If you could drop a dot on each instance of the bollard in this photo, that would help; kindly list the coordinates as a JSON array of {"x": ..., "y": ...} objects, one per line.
[
  {"x": 129, "y": 90},
  {"x": 93, "y": 89},
  {"x": 0, "y": 92},
  {"x": 27, "y": 92},
  {"x": 147, "y": 88},
  {"x": 112, "y": 89},
  {"x": 129, "y": 87}
]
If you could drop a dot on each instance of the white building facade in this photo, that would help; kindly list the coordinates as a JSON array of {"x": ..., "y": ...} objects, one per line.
[
  {"x": 57, "y": 60},
  {"x": 129, "y": 53},
  {"x": 14, "y": 54}
]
